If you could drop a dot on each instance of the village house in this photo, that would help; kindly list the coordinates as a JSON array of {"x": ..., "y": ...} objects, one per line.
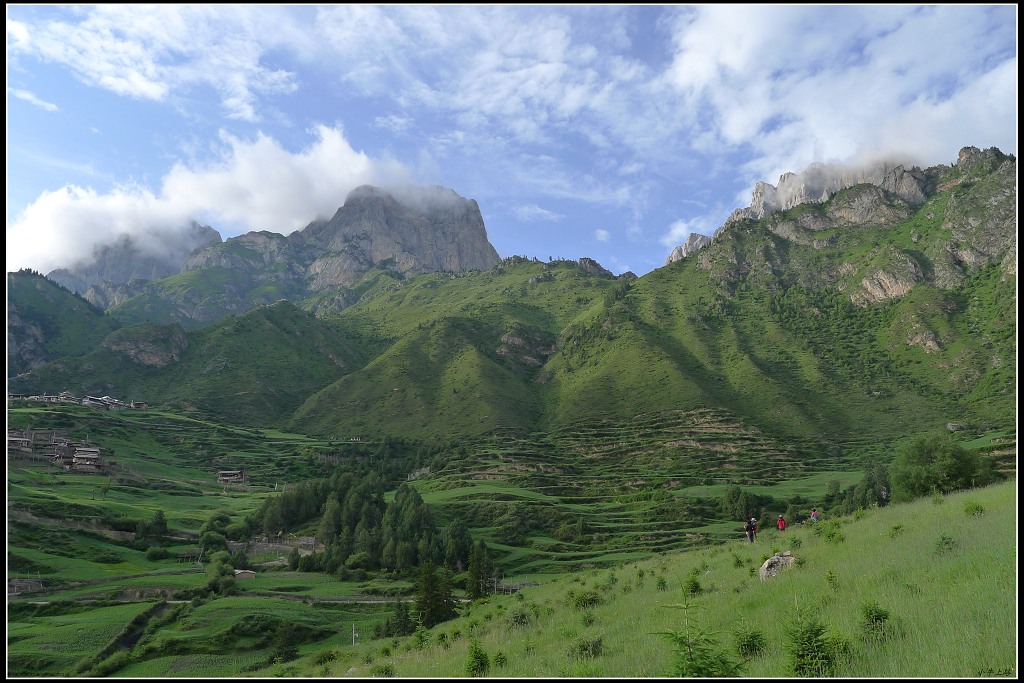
[
  {"x": 86, "y": 458},
  {"x": 231, "y": 477}
]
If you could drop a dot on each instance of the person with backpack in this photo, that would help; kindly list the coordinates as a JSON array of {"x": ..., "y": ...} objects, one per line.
[
  {"x": 781, "y": 523},
  {"x": 750, "y": 528}
]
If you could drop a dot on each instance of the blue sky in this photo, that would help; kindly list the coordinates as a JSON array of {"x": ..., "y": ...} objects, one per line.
[{"x": 610, "y": 132}]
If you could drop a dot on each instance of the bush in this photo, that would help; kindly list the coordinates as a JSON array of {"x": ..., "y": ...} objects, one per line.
[
  {"x": 813, "y": 649},
  {"x": 697, "y": 653},
  {"x": 155, "y": 553},
  {"x": 692, "y": 585},
  {"x": 935, "y": 463},
  {"x": 875, "y": 625},
  {"x": 477, "y": 663},
  {"x": 589, "y": 648},
  {"x": 945, "y": 544},
  {"x": 386, "y": 670},
  {"x": 750, "y": 642},
  {"x": 974, "y": 508}
]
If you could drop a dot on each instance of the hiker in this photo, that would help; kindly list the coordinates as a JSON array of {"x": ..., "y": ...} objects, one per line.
[
  {"x": 748, "y": 529},
  {"x": 814, "y": 515},
  {"x": 781, "y": 523}
]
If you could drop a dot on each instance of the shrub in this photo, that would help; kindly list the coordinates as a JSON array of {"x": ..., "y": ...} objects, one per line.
[
  {"x": 385, "y": 670},
  {"x": 692, "y": 585},
  {"x": 813, "y": 650},
  {"x": 832, "y": 579},
  {"x": 945, "y": 544},
  {"x": 155, "y": 552},
  {"x": 874, "y": 625},
  {"x": 518, "y": 618},
  {"x": 500, "y": 660},
  {"x": 935, "y": 463},
  {"x": 973, "y": 507},
  {"x": 749, "y": 641},
  {"x": 589, "y": 648},
  {"x": 795, "y": 543},
  {"x": 584, "y": 600},
  {"x": 895, "y": 530},
  {"x": 697, "y": 653},
  {"x": 477, "y": 662},
  {"x": 324, "y": 656},
  {"x": 661, "y": 584}
]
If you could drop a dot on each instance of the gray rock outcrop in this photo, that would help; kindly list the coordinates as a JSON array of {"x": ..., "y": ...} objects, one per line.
[
  {"x": 776, "y": 564},
  {"x": 820, "y": 182},
  {"x": 408, "y": 231},
  {"x": 150, "y": 257},
  {"x": 693, "y": 243}
]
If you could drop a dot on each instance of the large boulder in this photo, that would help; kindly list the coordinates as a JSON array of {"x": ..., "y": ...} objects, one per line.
[{"x": 775, "y": 564}]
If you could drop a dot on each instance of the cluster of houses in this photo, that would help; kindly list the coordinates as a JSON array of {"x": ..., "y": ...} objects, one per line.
[
  {"x": 55, "y": 446},
  {"x": 102, "y": 402}
]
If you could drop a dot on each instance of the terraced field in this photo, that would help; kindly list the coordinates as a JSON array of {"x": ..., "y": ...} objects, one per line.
[{"x": 600, "y": 493}]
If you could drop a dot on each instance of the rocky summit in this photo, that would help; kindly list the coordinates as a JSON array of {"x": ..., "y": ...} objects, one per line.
[{"x": 405, "y": 231}]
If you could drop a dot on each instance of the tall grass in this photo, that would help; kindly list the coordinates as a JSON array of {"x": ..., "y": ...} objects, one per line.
[{"x": 951, "y": 611}]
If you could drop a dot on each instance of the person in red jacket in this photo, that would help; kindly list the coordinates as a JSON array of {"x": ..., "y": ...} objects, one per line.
[{"x": 781, "y": 523}]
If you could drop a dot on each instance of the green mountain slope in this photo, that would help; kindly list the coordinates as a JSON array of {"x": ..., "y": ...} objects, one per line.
[
  {"x": 248, "y": 370},
  {"x": 46, "y": 321}
]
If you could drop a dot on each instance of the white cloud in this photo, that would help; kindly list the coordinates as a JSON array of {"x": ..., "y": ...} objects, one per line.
[
  {"x": 602, "y": 235},
  {"x": 677, "y": 233},
  {"x": 794, "y": 85},
  {"x": 152, "y": 51},
  {"x": 532, "y": 213},
  {"x": 256, "y": 184},
  {"x": 393, "y": 123},
  {"x": 32, "y": 99}
]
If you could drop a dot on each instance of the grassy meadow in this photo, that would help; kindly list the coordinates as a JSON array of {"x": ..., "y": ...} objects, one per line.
[{"x": 943, "y": 569}]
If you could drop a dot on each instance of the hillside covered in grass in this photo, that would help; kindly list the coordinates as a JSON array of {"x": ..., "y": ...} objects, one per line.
[{"x": 919, "y": 590}]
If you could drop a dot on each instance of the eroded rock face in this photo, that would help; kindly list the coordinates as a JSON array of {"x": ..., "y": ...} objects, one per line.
[
  {"x": 411, "y": 231},
  {"x": 978, "y": 212},
  {"x": 693, "y": 243},
  {"x": 153, "y": 346},
  {"x": 820, "y": 182}
]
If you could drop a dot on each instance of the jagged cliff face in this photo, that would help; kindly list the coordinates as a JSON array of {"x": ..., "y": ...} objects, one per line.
[
  {"x": 693, "y": 243},
  {"x": 411, "y": 232},
  {"x": 980, "y": 217},
  {"x": 820, "y": 182},
  {"x": 406, "y": 231},
  {"x": 127, "y": 259}
]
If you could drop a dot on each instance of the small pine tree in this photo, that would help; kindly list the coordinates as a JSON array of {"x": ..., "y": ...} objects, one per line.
[
  {"x": 698, "y": 654},
  {"x": 477, "y": 662}
]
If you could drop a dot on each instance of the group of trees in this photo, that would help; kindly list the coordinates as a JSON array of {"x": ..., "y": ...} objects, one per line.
[
  {"x": 928, "y": 464},
  {"x": 358, "y": 529}
]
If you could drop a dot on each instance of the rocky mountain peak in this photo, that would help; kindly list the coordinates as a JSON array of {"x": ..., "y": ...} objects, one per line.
[
  {"x": 410, "y": 230},
  {"x": 148, "y": 256},
  {"x": 817, "y": 184}
]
